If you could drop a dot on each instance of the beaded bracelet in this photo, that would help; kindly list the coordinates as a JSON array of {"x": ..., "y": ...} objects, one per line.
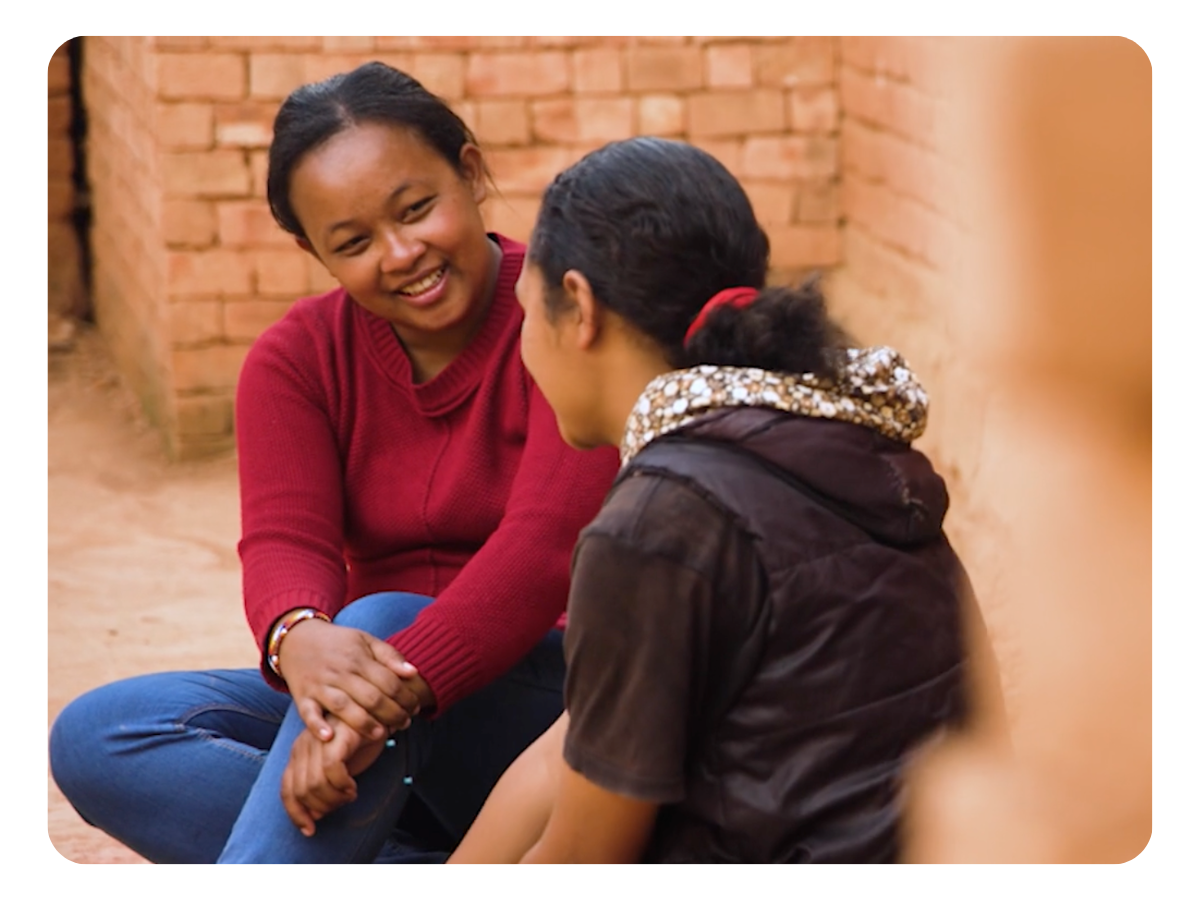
[{"x": 286, "y": 622}]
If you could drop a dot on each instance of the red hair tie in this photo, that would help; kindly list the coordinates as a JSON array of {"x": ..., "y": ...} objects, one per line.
[{"x": 737, "y": 297}]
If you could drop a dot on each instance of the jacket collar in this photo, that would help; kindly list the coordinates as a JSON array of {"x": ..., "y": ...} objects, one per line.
[{"x": 873, "y": 387}]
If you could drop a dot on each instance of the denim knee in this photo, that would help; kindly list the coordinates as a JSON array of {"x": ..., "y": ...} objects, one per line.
[
  {"x": 383, "y": 614},
  {"x": 75, "y": 739}
]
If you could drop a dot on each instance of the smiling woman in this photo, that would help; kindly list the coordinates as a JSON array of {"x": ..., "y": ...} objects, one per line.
[
  {"x": 392, "y": 220},
  {"x": 408, "y": 514}
]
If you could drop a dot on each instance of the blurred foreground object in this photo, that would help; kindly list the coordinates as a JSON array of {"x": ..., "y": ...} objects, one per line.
[{"x": 1054, "y": 140}]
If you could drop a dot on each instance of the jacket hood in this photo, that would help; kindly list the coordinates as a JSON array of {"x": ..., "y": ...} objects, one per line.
[{"x": 846, "y": 440}]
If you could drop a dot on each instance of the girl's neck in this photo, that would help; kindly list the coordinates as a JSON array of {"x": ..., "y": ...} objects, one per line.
[{"x": 429, "y": 353}]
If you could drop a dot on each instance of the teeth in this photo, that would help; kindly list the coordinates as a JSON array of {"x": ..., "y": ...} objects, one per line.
[{"x": 424, "y": 284}]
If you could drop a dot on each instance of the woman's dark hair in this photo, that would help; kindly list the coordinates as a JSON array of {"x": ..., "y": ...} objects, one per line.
[
  {"x": 374, "y": 92},
  {"x": 657, "y": 227}
]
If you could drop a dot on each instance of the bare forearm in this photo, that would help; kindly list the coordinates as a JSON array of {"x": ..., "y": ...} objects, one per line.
[{"x": 516, "y": 812}]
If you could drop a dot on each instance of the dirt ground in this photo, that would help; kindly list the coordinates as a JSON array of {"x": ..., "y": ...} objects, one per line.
[{"x": 143, "y": 568}]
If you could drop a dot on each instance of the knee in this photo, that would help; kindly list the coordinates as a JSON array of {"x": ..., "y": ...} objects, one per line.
[
  {"x": 383, "y": 614},
  {"x": 75, "y": 742}
]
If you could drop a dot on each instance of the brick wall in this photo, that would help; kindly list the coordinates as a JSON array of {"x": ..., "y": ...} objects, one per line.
[
  {"x": 124, "y": 180},
  {"x": 899, "y": 281},
  {"x": 190, "y": 267},
  {"x": 65, "y": 275}
]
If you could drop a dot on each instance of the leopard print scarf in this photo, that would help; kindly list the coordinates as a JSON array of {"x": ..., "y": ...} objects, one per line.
[{"x": 874, "y": 387}]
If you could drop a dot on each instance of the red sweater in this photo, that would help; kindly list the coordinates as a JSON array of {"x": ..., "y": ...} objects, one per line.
[{"x": 355, "y": 480}]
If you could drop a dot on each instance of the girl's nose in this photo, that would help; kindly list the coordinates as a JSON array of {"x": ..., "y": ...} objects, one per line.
[{"x": 401, "y": 252}]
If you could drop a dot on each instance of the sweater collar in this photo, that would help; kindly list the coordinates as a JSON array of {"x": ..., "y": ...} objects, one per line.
[{"x": 874, "y": 387}]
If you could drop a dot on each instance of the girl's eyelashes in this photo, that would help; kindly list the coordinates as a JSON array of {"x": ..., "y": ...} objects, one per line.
[
  {"x": 350, "y": 245},
  {"x": 417, "y": 208}
]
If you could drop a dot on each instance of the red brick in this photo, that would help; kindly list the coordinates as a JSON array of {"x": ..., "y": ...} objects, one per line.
[
  {"x": 517, "y": 74},
  {"x": 817, "y": 202},
  {"x": 891, "y": 105},
  {"x": 245, "y": 124},
  {"x": 181, "y": 42},
  {"x": 512, "y": 215},
  {"x": 500, "y": 122},
  {"x": 295, "y": 43},
  {"x": 249, "y": 223},
  {"x": 919, "y": 61},
  {"x": 258, "y": 173},
  {"x": 883, "y": 270},
  {"x": 319, "y": 66},
  {"x": 58, "y": 115},
  {"x": 651, "y": 40},
  {"x": 550, "y": 40},
  {"x": 448, "y": 42},
  {"x": 596, "y": 71},
  {"x": 61, "y": 157},
  {"x": 727, "y": 38},
  {"x": 862, "y": 151},
  {"x": 729, "y": 66},
  {"x": 509, "y": 42},
  {"x": 194, "y": 321},
  {"x": 281, "y": 272},
  {"x": 527, "y": 170},
  {"x": 246, "y": 320},
  {"x": 661, "y": 115},
  {"x": 204, "y": 415},
  {"x": 813, "y": 110},
  {"x": 207, "y": 368},
  {"x": 348, "y": 44},
  {"x": 668, "y": 68},
  {"x": 903, "y": 223},
  {"x": 799, "y": 62},
  {"x": 772, "y": 201},
  {"x": 184, "y": 126},
  {"x": 201, "y": 76},
  {"x": 721, "y": 113},
  {"x": 804, "y": 246},
  {"x": 61, "y": 203},
  {"x": 275, "y": 75},
  {"x": 215, "y": 272},
  {"x": 442, "y": 74},
  {"x": 861, "y": 52},
  {"x": 468, "y": 111},
  {"x": 217, "y": 173},
  {"x": 728, "y": 152},
  {"x": 58, "y": 71},
  {"x": 583, "y": 120},
  {"x": 188, "y": 223},
  {"x": 792, "y": 156}
]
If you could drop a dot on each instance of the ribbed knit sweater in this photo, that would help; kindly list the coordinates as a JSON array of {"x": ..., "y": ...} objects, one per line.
[{"x": 356, "y": 480}]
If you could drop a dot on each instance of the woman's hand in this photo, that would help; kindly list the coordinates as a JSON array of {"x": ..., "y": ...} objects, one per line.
[
  {"x": 319, "y": 775},
  {"x": 353, "y": 676}
]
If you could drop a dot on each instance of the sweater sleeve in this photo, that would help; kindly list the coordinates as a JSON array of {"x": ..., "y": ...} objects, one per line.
[
  {"x": 291, "y": 478},
  {"x": 515, "y": 587}
]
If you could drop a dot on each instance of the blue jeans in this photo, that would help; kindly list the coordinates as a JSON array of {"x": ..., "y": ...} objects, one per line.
[{"x": 186, "y": 766}]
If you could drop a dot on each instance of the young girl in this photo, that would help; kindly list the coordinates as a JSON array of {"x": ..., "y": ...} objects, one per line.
[
  {"x": 764, "y": 618},
  {"x": 392, "y": 449}
]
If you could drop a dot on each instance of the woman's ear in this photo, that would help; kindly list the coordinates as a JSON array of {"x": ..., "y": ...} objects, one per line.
[
  {"x": 586, "y": 313},
  {"x": 474, "y": 172}
]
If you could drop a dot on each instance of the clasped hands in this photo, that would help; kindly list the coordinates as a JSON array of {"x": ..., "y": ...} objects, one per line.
[{"x": 352, "y": 691}]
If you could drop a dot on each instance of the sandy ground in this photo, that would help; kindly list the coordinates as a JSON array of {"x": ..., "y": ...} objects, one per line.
[{"x": 143, "y": 567}]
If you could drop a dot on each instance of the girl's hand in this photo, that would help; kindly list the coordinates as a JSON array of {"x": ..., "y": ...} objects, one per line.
[
  {"x": 352, "y": 676},
  {"x": 319, "y": 775}
]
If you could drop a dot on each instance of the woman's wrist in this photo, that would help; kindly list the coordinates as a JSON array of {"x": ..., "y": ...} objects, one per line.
[{"x": 282, "y": 626}]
